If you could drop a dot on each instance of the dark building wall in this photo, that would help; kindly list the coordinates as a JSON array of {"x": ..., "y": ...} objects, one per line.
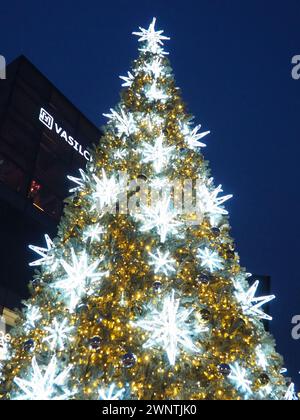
[{"x": 43, "y": 138}]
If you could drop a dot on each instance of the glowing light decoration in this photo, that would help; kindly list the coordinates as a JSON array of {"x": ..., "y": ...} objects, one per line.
[
  {"x": 93, "y": 233},
  {"x": 153, "y": 93},
  {"x": 80, "y": 278},
  {"x": 261, "y": 358},
  {"x": 169, "y": 328},
  {"x": 290, "y": 394},
  {"x": 210, "y": 259},
  {"x": 47, "y": 383},
  {"x": 81, "y": 182},
  {"x": 162, "y": 262},
  {"x": 238, "y": 376},
  {"x": 106, "y": 191},
  {"x": 192, "y": 137},
  {"x": 159, "y": 184},
  {"x": 124, "y": 123},
  {"x": 154, "y": 67},
  {"x": 208, "y": 200},
  {"x": 111, "y": 393},
  {"x": 157, "y": 153},
  {"x": 252, "y": 305},
  {"x": 160, "y": 217},
  {"x": 58, "y": 334},
  {"x": 120, "y": 154},
  {"x": 43, "y": 252},
  {"x": 153, "y": 39},
  {"x": 128, "y": 80},
  {"x": 33, "y": 315}
]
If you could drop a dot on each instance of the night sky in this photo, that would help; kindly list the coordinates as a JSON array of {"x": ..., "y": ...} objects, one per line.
[{"x": 232, "y": 60}]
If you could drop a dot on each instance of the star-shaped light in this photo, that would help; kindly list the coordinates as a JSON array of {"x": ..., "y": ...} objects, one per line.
[
  {"x": 208, "y": 200},
  {"x": 93, "y": 233},
  {"x": 153, "y": 93},
  {"x": 210, "y": 259},
  {"x": 253, "y": 305},
  {"x": 192, "y": 137},
  {"x": 154, "y": 67},
  {"x": 111, "y": 393},
  {"x": 120, "y": 154},
  {"x": 81, "y": 182},
  {"x": 43, "y": 252},
  {"x": 47, "y": 383},
  {"x": 169, "y": 328},
  {"x": 162, "y": 262},
  {"x": 128, "y": 80},
  {"x": 261, "y": 358},
  {"x": 106, "y": 191},
  {"x": 160, "y": 217},
  {"x": 157, "y": 153},
  {"x": 290, "y": 394},
  {"x": 33, "y": 315},
  {"x": 153, "y": 39},
  {"x": 58, "y": 334},
  {"x": 238, "y": 376},
  {"x": 80, "y": 278},
  {"x": 124, "y": 123}
]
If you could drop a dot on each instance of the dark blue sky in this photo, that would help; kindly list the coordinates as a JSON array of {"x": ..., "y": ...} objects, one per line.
[{"x": 232, "y": 60}]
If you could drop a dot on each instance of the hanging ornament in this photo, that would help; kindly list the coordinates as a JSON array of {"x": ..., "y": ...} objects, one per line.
[
  {"x": 224, "y": 369},
  {"x": 128, "y": 360},
  {"x": 205, "y": 314},
  {"x": 230, "y": 254},
  {"x": 264, "y": 379},
  {"x": 202, "y": 278},
  {"x": 157, "y": 286},
  {"x": 81, "y": 308},
  {"x": 29, "y": 345},
  {"x": 36, "y": 283},
  {"x": 95, "y": 342}
]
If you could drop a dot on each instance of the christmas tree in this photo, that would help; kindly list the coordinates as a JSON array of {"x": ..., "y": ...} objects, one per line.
[{"x": 141, "y": 295}]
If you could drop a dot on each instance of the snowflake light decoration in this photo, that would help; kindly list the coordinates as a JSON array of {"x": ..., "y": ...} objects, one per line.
[
  {"x": 252, "y": 305},
  {"x": 160, "y": 217},
  {"x": 106, "y": 191},
  {"x": 153, "y": 39},
  {"x": 238, "y": 376},
  {"x": 208, "y": 200},
  {"x": 128, "y": 80},
  {"x": 111, "y": 393},
  {"x": 81, "y": 182},
  {"x": 154, "y": 67},
  {"x": 93, "y": 233},
  {"x": 33, "y": 315},
  {"x": 153, "y": 93},
  {"x": 192, "y": 137},
  {"x": 157, "y": 153},
  {"x": 210, "y": 259},
  {"x": 290, "y": 394},
  {"x": 162, "y": 262},
  {"x": 79, "y": 280},
  {"x": 58, "y": 334},
  {"x": 124, "y": 123},
  {"x": 47, "y": 258},
  {"x": 261, "y": 358},
  {"x": 169, "y": 328},
  {"x": 43, "y": 383}
]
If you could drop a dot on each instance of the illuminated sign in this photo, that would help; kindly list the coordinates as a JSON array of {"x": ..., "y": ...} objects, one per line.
[
  {"x": 48, "y": 120},
  {"x": 5, "y": 339}
]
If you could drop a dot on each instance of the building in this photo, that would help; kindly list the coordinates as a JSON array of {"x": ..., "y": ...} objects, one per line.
[{"x": 43, "y": 138}]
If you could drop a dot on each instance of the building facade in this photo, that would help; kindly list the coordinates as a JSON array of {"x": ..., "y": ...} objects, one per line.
[{"x": 43, "y": 138}]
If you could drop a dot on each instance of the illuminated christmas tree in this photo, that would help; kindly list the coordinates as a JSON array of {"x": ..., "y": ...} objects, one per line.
[{"x": 141, "y": 295}]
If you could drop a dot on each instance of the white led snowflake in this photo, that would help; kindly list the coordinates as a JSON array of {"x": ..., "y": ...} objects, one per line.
[
  {"x": 153, "y": 93},
  {"x": 111, "y": 393},
  {"x": 169, "y": 328},
  {"x": 80, "y": 278},
  {"x": 157, "y": 153},
  {"x": 208, "y": 200},
  {"x": 290, "y": 394},
  {"x": 161, "y": 218},
  {"x": 33, "y": 315},
  {"x": 43, "y": 252},
  {"x": 154, "y": 67},
  {"x": 93, "y": 233},
  {"x": 238, "y": 376},
  {"x": 192, "y": 137},
  {"x": 106, "y": 191},
  {"x": 128, "y": 80},
  {"x": 120, "y": 154},
  {"x": 210, "y": 259},
  {"x": 261, "y": 358},
  {"x": 252, "y": 305},
  {"x": 47, "y": 383},
  {"x": 153, "y": 39},
  {"x": 81, "y": 182},
  {"x": 58, "y": 334},
  {"x": 162, "y": 262},
  {"x": 124, "y": 123}
]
